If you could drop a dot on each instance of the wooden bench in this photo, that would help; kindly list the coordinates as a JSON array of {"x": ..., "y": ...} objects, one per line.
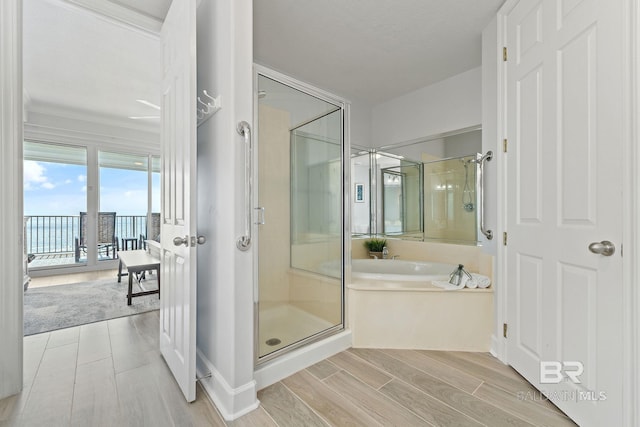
[{"x": 137, "y": 262}]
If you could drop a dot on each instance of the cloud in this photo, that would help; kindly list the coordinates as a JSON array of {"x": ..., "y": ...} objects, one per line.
[
  {"x": 67, "y": 181},
  {"x": 82, "y": 178},
  {"x": 34, "y": 175},
  {"x": 48, "y": 186}
]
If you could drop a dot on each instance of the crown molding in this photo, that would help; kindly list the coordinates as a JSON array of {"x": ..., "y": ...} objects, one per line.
[
  {"x": 118, "y": 14},
  {"x": 76, "y": 114}
]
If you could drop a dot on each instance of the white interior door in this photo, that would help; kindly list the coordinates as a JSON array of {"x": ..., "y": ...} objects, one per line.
[
  {"x": 178, "y": 261},
  {"x": 565, "y": 114}
]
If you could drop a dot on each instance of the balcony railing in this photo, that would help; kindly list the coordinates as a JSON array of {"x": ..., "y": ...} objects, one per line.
[{"x": 56, "y": 234}]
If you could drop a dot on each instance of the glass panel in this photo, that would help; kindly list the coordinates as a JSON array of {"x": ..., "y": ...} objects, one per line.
[
  {"x": 124, "y": 185},
  {"x": 450, "y": 195},
  {"x": 299, "y": 244},
  {"x": 361, "y": 204},
  {"x": 411, "y": 204},
  {"x": 153, "y": 227},
  {"x": 402, "y": 200},
  {"x": 55, "y": 192}
]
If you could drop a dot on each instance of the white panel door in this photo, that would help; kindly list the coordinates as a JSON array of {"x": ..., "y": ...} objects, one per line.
[
  {"x": 564, "y": 189},
  {"x": 178, "y": 262}
]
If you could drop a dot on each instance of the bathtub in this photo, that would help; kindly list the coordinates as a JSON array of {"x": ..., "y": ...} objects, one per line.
[
  {"x": 400, "y": 270},
  {"x": 392, "y": 304}
]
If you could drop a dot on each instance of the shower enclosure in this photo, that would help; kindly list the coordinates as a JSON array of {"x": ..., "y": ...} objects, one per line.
[{"x": 299, "y": 215}]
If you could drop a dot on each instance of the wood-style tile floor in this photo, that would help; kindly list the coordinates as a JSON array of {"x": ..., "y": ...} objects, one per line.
[{"x": 111, "y": 374}]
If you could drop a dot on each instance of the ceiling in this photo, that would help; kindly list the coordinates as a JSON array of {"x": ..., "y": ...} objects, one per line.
[
  {"x": 366, "y": 51},
  {"x": 80, "y": 61},
  {"x": 371, "y": 50}
]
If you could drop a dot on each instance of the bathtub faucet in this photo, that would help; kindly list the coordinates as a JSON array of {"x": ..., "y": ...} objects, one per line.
[{"x": 385, "y": 253}]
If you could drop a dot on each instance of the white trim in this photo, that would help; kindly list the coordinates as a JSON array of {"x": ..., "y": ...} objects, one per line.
[
  {"x": 231, "y": 402},
  {"x": 631, "y": 243},
  {"x": 53, "y": 110},
  {"x": 300, "y": 85},
  {"x": 290, "y": 363},
  {"x": 118, "y": 15},
  {"x": 11, "y": 226},
  {"x": 86, "y": 139}
]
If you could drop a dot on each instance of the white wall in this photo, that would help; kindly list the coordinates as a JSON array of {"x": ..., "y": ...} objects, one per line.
[
  {"x": 11, "y": 291},
  {"x": 225, "y": 287},
  {"x": 448, "y": 105},
  {"x": 361, "y": 124},
  {"x": 490, "y": 131}
]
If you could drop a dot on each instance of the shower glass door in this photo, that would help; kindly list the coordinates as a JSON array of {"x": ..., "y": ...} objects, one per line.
[{"x": 299, "y": 146}]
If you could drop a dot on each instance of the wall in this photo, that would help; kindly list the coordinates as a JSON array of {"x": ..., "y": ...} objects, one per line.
[
  {"x": 11, "y": 291},
  {"x": 490, "y": 58},
  {"x": 225, "y": 286},
  {"x": 451, "y": 104},
  {"x": 274, "y": 170},
  {"x": 491, "y": 61},
  {"x": 462, "y": 144}
]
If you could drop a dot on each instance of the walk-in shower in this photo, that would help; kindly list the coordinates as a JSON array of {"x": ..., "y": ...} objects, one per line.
[{"x": 299, "y": 215}]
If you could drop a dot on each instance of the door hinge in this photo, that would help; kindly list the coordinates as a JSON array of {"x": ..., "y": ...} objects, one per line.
[
  {"x": 504, "y": 53},
  {"x": 504, "y": 238},
  {"x": 504, "y": 145},
  {"x": 504, "y": 330}
]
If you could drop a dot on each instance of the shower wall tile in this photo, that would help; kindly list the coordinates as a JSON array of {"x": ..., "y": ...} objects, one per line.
[{"x": 274, "y": 236}]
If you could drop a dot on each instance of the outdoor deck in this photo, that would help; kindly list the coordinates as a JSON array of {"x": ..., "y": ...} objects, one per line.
[
  {"x": 58, "y": 258},
  {"x": 52, "y": 238}
]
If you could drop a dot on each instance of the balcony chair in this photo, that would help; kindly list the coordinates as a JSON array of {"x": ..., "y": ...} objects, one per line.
[
  {"x": 155, "y": 231},
  {"x": 107, "y": 242}
]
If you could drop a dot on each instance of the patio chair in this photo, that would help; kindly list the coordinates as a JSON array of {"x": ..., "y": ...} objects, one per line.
[
  {"x": 107, "y": 241},
  {"x": 155, "y": 231}
]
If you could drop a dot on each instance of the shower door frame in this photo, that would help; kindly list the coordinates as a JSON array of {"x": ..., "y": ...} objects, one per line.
[{"x": 344, "y": 106}]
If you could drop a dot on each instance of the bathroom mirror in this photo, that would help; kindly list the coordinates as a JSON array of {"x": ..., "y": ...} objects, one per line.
[
  {"x": 400, "y": 193},
  {"x": 420, "y": 190}
]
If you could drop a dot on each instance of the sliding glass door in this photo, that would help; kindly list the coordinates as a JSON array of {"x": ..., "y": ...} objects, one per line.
[
  {"x": 84, "y": 205},
  {"x": 55, "y": 192}
]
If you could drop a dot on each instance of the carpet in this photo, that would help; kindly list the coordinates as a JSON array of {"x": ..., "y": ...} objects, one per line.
[{"x": 63, "y": 306}]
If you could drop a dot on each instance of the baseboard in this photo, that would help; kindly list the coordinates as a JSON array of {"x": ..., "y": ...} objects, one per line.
[
  {"x": 290, "y": 363},
  {"x": 497, "y": 349},
  {"x": 231, "y": 402}
]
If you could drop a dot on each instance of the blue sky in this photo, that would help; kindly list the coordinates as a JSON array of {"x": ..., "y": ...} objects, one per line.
[{"x": 61, "y": 189}]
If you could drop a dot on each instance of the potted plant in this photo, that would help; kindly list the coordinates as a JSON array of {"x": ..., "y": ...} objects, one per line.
[{"x": 375, "y": 246}]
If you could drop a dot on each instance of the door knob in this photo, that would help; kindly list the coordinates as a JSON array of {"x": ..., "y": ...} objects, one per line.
[
  {"x": 605, "y": 248},
  {"x": 201, "y": 240},
  {"x": 181, "y": 241}
]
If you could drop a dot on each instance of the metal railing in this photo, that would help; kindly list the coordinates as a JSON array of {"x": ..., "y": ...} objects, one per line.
[{"x": 53, "y": 234}]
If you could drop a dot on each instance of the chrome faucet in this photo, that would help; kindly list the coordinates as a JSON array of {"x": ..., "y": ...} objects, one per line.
[{"x": 385, "y": 253}]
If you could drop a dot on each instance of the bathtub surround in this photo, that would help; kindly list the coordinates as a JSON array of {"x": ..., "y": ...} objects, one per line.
[{"x": 416, "y": 314}]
